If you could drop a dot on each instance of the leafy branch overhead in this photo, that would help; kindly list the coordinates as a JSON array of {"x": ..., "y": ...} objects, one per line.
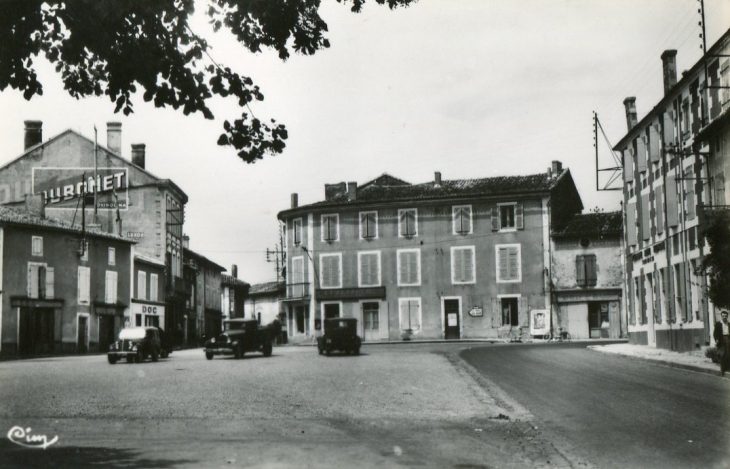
[{"x": 113, "y": 47}]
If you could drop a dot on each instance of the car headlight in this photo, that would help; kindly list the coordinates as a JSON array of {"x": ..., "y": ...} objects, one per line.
[
  {"x": 134, "y": 348},
  {"x": 235, "y": 342},
  {"x": 212, "y": 340}
]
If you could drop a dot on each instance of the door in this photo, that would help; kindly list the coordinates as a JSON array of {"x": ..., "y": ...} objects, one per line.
[
  {"x": 36, "y": 331},
  {"x": 451, "y": 319},
  {"x": 82, "y": 335},
  {"x": 598, "y": 319},
  {"x": 371, "y": 320},
  {"x": 106, "y": 332}
]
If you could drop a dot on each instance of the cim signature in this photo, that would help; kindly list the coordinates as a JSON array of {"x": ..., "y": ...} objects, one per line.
[{"x": 21, "y": 436}]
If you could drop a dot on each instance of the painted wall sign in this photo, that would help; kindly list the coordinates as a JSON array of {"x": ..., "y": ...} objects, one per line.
[
  {"x": 141, "y": 308},
  {"x": 135, "y": 234},
  {"x": 476, "y": 312},
  {"x": 61, "y": 187}
]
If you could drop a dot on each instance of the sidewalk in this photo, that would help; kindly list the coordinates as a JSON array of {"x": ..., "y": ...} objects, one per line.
[{"x": 687, "y": 361}]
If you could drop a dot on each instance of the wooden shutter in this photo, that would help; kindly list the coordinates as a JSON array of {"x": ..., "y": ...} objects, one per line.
[
  {"x": 495, "y": 218},
  {"x": 503, "y": 264},
  {"x": 658, "y": 203},
  {"x": 657, "y": 296},
  {"x": 714, "y": 95},
  {"x": 580, "y": 271},
  {"x": 654, "y": 144},
  {"x": 631, "y": 224},
  {"x": 645, "y": 219},
  {"x": 83, "y": 285},
  {"x": 669, "y": 293},
  {"x": 628, "y": 165},
  {"x": 691, "y": 205},
  {"x": 154, "y": 284},
  {"x": 514, "y": 264},
  {"x": 496, "y": 312},
  {"x": 519, "y": 217},
  {"x": 458, "y": 265},
  {"x": 671, "y": 196},
  {"x": 682, "y": 290},
  {"x": 591, "y": 273},
  {"x": 468, "y": 265},
  {"x": 33, "y": 281},
  {"x": 523, "y": 310},
  {"x": 668, "y": 128},
  {"x": 641, "y": 154},
  {"x": 631, "y": 303}
]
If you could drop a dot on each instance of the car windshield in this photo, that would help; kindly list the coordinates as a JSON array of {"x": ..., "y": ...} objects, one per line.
[
  {"x": 331, "y": 325},
  {"x": 132, "y": 333},
  {"x": 234, "y": 326}
]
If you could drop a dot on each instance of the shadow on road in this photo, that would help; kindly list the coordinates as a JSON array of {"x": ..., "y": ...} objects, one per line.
[{"x": 15, "y": 456}]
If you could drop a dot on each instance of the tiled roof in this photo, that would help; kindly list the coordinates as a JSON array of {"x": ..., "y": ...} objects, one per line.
[
  {"x": 374, "y": 191},
  {"x": 592, "y": 224},
  {"x": 263, "y": 288},
  {"x": 149, "y": 260},
  {"x": 201, "y": 258},
  {"x": 20, "y": 217},
  {"x": 231, "y": 280}
]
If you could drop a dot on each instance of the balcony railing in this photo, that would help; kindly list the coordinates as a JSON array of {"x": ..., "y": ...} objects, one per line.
[{"x": 297, "y": 290}]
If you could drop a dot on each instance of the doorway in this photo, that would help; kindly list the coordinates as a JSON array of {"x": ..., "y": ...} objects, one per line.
[
  {"x": 510, "y": 312},
  {"x": 82, "y": 334},
  {"x": 35, "y": 332},
  {"x": 371, "y": 320},
  {"x": 452, "y": 310},
  {"x": 598, "y": 322},
  {"x": 106, "y": 332}
]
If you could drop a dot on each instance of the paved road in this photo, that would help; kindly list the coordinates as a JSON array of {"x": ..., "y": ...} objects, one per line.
[
  {"x": 612, "y": 412},
  {"x": 393, "y": 406}
]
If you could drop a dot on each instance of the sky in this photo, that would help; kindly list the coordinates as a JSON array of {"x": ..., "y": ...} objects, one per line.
[{"x": 469, "y": 88}]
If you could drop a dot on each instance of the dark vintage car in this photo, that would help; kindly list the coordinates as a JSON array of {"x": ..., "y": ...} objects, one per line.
[
  {"x": 339, "y": 334},
  {"x": 136, "y": 344},
  {"x": 240, "y": 336}
]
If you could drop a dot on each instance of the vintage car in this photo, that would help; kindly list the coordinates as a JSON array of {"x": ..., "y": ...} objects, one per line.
[
  {"x": 339, "y": 334},
  {"x": 240, "y": 336},
  {"x": 136, "y": 344}
]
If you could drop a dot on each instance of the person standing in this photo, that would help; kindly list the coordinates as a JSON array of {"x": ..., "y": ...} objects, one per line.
[{"x": 721, "y": 334}]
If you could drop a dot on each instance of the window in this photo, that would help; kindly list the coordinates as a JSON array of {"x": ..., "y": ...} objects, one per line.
[
  {"x": 409, "y": 267},
  {"x": 83, "y": 285},
  {"x": 112, "y": 256},
  {"x": 37, "y": 246},
  {"x": 154, "y": 285},
  {"x": 296, "y": 289},
  {"x": 408, "y": 222},
  {"x": 508, "y": 263},
  {"x": 463, "y": 268},
  {"x": 85, "y": 254},
  {"x": 330, "y": 228},
  {"x": 409, "y": 314},
  {"x": 368, "y": 225},
  {"x": 585, "y": 270},
  {"x": 330, "y": 270},
  {"x": 462, "y": 219},
  {"x": 369, "y": 269},
  {"x": 40, "y": 281},
  {"x": 297, "y": 232},
  {"x": 371, "y": 316},
  {"x": 141, "y": 285},
  {"x": 111, "y": 287},
  {"x": 507, "y": 217}
]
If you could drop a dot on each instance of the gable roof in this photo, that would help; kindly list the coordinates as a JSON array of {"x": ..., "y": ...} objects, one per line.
[
  {"x": 386, "y": 189},
  {"x": 592, "y": 224},
  {"x": 227, "y": 279},
  {"x": 266, "y": 288},
  {"x": 202, "y": 259},
  {"x": 23, "y": 218}
]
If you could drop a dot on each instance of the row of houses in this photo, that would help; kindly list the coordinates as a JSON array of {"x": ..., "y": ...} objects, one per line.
[{"x": 91, "y": 242}]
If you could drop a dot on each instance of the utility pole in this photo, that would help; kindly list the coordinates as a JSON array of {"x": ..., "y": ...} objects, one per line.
[{"x": 96, "y": 179}]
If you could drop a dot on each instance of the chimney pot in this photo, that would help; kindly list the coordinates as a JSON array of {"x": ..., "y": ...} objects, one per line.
[
  {"x": 351, "y": 190},
  {"x": 550, "y": 172},
  {"x": 294, "y": 200},
  {"x": 669, "y": 66},
  {"x": 234, "y": 271},
  {"x": 557, "y": 168},
  {"x": 437, "y": 178},
  {"x": 630, "y": 106},
  {"x": 138, "y": 154},
  {"x": 33, "y": 133},
  {"x": 186, "y": 242},
  {"x": 114, "y": 136},
  {"x": 333, "y": 190}
]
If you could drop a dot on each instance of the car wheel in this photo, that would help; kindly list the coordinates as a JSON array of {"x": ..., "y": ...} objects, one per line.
[
  {"x": 267, "y": 349},
  {"x": 112, "y": 359},
  {"x": 139, "y": 358},
  {"x": 164, "y": 354},
  {"x": 155, "y": 357},
  {"x": 209, "y": 355},
  {"x": 327, "y": 351},
  {"x": 130, "y": 359},
  {"x": 321, "y": 351},
  {"x": 357, "y": 351},
  {"x": 237, "y": 353}
]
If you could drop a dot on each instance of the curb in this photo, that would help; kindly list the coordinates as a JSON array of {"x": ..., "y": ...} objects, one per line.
[{"x": 670, "y": 364}]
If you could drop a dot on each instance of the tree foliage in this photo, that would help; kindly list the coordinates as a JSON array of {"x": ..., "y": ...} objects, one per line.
[
  {"x": 717, "y": 262},
  {"x": 120, "y": 48}
]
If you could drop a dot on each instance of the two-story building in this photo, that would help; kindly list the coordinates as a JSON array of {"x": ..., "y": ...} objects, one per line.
[
  {"x": 80, "y": 179},
  {"x": 233, "y": 291},
  {"x": 587, "y": 276},
  {"x": 675, "y": 161},
  {"x": 205, "y": 308},
  {"x": 441, "y": 259},
  {"x": 148, "y": 292},
  {"x": 63, "y": 289}
]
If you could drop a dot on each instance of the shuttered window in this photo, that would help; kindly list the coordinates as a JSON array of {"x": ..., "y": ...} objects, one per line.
[
  {"x": 628, "y": 165},
  {"x": 331, "y": 270},
  {"x": 297, "y": 232},
  {"x": 41, "y": 280},
  {"x": 645, "y": 226},
  {"x": 409, "y": 267},
  {"x": 154, "y": 285},
  {"x": 368, "y": 225},
  {"x": 641, "y": 154},
  {"x": 463, "y": 268},
  {"x": 112, "y": 256},
  {"x": 462, "y": 219},
  {"x": 668, "y": 128},
  {"x": 407, "y": 222},
  {"x": 508, "y": 217},
  {"x": 330, "y": 228},
  {"x": 654, "y": 144},
  {"x": 409, "y": 314},
  {"x": 83, "y": 285},
  {"x": 658, "y": 203},
  {"x": 141, "y": 285},
  {"x": 586, "y": 270},
  {"x": 631, "y": 224},
  {"x": 111, "y": 287},
  {"x": 508, "y": 263},
  {"x": 671, "y": 195},
  {"x": 369, "y": 271}
]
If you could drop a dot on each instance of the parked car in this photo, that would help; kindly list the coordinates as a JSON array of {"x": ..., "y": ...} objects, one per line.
[
  {"x": 136, "y": 344},
  {"x": 240, "y": 336},
  {"x": 339, "y": 334}
]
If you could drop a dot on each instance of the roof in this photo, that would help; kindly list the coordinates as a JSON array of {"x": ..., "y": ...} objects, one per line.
[
  {"x": 383, "y": 189},
  {"x": 241, "y": 320},
  {"x": 231, "y": 280},
  {"x": 149, "y": 260},
  {"x": 266, "y": 288},
  {"x": 592, "y": 224},
  {"x": 201, "y": 258},
  {"x": 19, "y": 217}
]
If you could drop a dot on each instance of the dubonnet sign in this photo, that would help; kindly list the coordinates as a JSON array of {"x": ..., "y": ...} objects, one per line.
[{"x": 61, "y": 187}]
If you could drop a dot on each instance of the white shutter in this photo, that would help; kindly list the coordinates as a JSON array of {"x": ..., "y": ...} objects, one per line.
[
  {"x": 83, "y": 285},
  {"x": 514, "y": 264},
  {"x": 50, "y": 283},
  {"x": 32, "y": 280},
  {"x": 458, "y": 265},
  {"x": 154, "y": 294}
]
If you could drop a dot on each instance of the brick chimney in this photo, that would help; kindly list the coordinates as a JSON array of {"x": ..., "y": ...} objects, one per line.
[
  {"x": 557, "y": 168},
  {"x": 630, "y": 106},
  {"x": 333, "y": 190},
  {"x": 35, "y": 204},
  {"x": 138, "y": 154},
  {"x": 33, "y": 133},
  {"x": 114, "y": 137},
  {"x": 186, "y": 241},
  {"x": 669, "y": 65},
  {"x": 437, "y": 179},
  {"x": 234, "y": 271},
  {"x": 294, "y": 200},
  {"x": 351, "y": 190}
]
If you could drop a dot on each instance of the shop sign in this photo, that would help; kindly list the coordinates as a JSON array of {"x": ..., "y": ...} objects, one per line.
[
  {"x": 135, "y": 234},
  {"x": 141, "y": 308},
  {"x": 61, "y": 187}
]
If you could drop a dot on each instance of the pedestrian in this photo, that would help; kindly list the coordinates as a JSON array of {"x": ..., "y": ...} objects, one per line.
[{"x": 721, "y": 334}]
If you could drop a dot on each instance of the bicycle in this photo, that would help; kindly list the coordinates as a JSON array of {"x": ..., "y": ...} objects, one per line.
[
  {"x": 561, "y": 336},
  {"x": 517, "y": 334}
]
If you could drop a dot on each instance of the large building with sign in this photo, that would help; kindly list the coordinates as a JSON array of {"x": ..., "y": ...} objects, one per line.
[
  {"x": 84, "y": 182},
  {"x": 442, "y": 259},
  {"x": 675, "y": 178}
]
